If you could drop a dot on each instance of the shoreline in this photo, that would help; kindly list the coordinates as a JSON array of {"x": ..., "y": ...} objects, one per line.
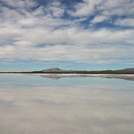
[{"x": 68, "y": 74}]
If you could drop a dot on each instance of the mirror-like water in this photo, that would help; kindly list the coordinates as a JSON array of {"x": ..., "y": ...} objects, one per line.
[{"x": 91, "y": 105}]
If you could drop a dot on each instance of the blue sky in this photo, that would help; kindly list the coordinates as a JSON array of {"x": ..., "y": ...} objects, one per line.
[{"x": 69, "y": 34}]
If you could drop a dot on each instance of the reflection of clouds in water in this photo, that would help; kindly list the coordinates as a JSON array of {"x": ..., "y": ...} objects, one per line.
[
  {"x": 92, "y": 108},
  {"x": 4, "y": 104}
]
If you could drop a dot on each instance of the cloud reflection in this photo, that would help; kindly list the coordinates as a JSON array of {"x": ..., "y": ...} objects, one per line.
[{"x": 91, "y": 108}]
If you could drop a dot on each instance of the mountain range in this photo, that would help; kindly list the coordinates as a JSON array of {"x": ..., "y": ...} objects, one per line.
[
  {"x": 127, "y": 69},
  {"x": 57, "y": 70}
]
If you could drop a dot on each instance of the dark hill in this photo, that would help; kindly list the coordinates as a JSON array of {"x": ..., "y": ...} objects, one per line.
[{"x": 52, "y": 70}]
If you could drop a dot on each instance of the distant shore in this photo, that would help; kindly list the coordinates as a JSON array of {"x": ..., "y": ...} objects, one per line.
[{"x": 76, "y": 72}]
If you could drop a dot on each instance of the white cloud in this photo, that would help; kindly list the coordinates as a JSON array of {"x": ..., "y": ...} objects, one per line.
[
  {"x": 98, "y": 19},
  {"x": 39, "y": 11},
  {"x": 57, "y": 12},
  {"x": 117, "y": 7},
  {"x": 85, "y": 8},
  {"x": 106, "y": 7},
  {"x": 125, "y": 22},
  {"x": 22, "y": 30},
  {"x": 20, "y": 3},
  {"x": 40, "y": 29},
  {"x": 59, "y": 52}
]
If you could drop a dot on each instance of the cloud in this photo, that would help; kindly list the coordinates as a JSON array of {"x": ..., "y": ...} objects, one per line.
[
  {"x": 26, "y": 26},
  {"x": 105, "y": 7},
  {"x": 20, "y": 3},
  {"x": 125, "y": 22},
  {"x": 120, "y": 7},
  {"x": 98, "y": 19},
  {"x": 85, "y": 8},
  {"x": 76, "y": 53}
]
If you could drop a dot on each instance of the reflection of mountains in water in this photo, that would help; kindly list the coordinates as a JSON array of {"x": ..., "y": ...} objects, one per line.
[
  {"x": 56, "y": 77},
  {"x": 52, "y": 77},
  {"x": 127, "y": 77},
  {"x": 124, "y": 77}
]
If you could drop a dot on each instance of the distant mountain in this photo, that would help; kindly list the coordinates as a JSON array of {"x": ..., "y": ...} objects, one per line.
[
  {"x": 128, "y": 69},
  {"x": 57, "y": 70},
  {"x": 60, "y": 70},
  {"x": 52, "y": 70}
]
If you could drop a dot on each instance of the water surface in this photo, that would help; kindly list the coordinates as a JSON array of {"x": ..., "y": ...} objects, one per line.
[{"x": 79, "y": 105}]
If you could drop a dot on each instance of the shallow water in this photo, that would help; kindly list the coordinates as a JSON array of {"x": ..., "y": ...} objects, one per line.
[{"x": 81, "y": 105}]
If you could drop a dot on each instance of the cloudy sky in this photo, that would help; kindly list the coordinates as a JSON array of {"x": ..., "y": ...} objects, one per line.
[{"x": 69, "y": 34}]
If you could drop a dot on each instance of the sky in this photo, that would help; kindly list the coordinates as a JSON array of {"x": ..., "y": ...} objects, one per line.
[{"x": 68, "y": 34}]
